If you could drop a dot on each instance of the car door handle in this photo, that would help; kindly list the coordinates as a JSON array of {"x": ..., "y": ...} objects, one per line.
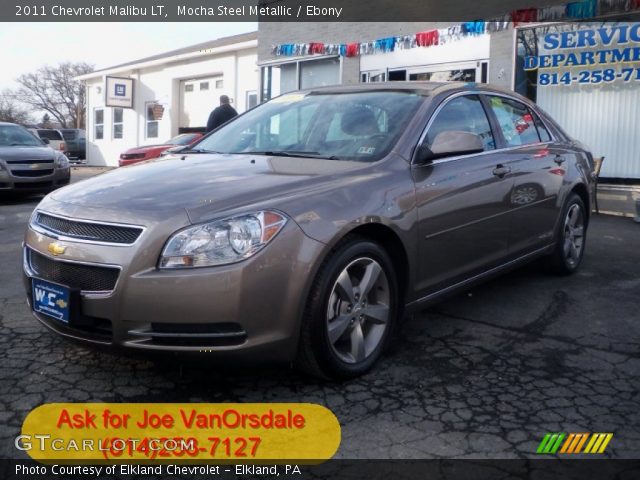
[
  {"x": 501, "y": 171},
  {"x": 559, "y": 159}
]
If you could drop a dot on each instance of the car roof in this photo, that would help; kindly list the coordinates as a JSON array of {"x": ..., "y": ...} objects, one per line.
[{"x": 418, "y": 87}]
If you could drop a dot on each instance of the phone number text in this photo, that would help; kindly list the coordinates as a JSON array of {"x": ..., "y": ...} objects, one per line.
[
  {"x": 172, "y": 447},
  {"x": 607, "y": 75}
]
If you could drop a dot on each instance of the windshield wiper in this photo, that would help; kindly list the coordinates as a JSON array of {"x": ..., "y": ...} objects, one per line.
[
  {"x": 293, "y": 153},
  {"x": 22, "y": 145},
  {"x": 197, "y": 150}
]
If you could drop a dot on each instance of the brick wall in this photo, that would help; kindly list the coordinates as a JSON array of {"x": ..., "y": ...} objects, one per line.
[{"x": 502, "y": 53}]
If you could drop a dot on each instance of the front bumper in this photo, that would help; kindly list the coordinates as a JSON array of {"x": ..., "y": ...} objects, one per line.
[
  {"x": 251, "y": 308},
  {"x": 34, "y": 183}
]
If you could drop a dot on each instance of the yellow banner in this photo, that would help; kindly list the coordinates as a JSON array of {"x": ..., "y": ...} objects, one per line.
[{"x": 173, "y": 432}]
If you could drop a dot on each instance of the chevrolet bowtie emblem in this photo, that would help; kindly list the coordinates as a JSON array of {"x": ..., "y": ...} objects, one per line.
[
  {"x": 34, "y": 166},
  {"x": 56, "y": 249}
]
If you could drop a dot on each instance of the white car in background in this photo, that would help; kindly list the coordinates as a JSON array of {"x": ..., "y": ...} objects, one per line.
[{"x": 54, "y": 137}]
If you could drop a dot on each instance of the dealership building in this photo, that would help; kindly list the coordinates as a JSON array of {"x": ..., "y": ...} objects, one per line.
[
  {"x": 585, "y": 73},
  {"x": 150, "y": 100}
]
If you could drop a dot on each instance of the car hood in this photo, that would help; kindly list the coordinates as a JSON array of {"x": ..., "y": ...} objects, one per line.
[
  {"x": 27, "y": 153},
  {"x": 202, "y": 184}
]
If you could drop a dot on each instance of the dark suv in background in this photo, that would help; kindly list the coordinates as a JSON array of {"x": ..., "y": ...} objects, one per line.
[{"x": 75, "y": 141}]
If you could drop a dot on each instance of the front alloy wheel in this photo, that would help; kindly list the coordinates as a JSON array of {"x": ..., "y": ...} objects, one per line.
[
  {"x": 351, "y": 311},
  {"x": 358, "y": 310}
]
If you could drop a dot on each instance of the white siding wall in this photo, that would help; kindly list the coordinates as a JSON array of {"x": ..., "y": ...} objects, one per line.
[
  {"x": 161, "y": 84},
  {"x": 605, "y": 117}
]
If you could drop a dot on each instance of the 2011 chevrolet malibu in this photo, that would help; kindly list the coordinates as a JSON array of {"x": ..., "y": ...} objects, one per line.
[{"x": 305, "y": 228}]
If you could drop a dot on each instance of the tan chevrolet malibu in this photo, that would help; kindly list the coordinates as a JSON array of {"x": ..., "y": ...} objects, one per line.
[{"x": 304, "y": 229}]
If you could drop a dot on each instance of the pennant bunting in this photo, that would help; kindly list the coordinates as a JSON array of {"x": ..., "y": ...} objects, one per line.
[{"x": 578, "y": 10}]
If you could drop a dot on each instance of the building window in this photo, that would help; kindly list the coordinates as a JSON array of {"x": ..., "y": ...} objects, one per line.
[
  {"x": 152, "y": 123},
  {"x": 118, "y": 123},
  {"x": 279, "y": 79},
  {"x": 219, "y": 83},
  {"x": 204, "y": 86},
  {"x": 188, "y": 87},
  {"x": 98, "y": 124},
  {"x": 252, "y": 99}
]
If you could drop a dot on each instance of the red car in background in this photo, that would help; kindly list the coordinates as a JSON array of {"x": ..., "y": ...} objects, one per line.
[{"x": 148, "y": 152}]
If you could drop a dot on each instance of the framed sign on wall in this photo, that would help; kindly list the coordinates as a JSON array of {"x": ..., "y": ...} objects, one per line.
[{"x": 119, "y": 92}]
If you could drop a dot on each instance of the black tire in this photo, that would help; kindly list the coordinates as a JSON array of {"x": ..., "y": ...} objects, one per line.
[
  {"x": 560, "y": 261},
  {"x": 317, "y": 355}
]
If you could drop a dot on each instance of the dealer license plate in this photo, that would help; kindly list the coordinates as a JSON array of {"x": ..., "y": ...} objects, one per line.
[{"x": 51, "y": 299}]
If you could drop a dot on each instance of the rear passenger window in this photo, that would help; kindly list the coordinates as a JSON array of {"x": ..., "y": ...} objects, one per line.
[
  {"x": 544, "y": 134},
  {"x": 463, "y": 114},
  {"x": 516, "y": 121}
]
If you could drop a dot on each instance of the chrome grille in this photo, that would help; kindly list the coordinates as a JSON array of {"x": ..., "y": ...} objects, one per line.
[
  {"x": 96, "y": 232},
  {"x": 32, "y": 173},
  {"x": 29, "y": 162},
  {"x": 89, "y": 278}
]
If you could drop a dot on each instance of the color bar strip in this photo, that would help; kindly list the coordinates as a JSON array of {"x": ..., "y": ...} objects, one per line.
[
  {"x": 596, "y": 446},
  {"x": 574, "y": 444},
  {"x": 543, "y": 443},
  {"x": 550, "y": 443},
  {"x": 565, "y": 447},
  {"x": 606, "y": 441},
  {"x": 592, "y": 440},
  {"x": 556, "y": 445},
  {"x": 578, "y": 448}
]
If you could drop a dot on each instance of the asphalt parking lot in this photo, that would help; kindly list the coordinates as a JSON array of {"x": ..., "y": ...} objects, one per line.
[{"x": 484, "y": 375}]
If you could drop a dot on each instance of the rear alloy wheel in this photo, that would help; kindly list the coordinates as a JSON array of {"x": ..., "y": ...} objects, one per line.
[
  {"x": 351, "y": 312},
  {"x": 571, "y": 238}
]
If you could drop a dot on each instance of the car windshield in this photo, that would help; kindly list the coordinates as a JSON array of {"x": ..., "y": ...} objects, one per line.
[
  {"x": 14, "y": 135},
  {"x": 361, "y": 126},
  {"x": 183, "y": 139}
]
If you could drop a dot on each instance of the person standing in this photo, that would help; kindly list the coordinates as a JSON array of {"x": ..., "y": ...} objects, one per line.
[{"x": 221, "y": 114}]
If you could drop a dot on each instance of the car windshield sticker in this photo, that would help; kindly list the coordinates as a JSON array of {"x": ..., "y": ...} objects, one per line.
[
  {"x": 291, "y": 98},
  {"x": 366, "y": 150}
]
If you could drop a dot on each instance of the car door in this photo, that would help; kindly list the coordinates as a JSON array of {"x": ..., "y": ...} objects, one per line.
[
  {"x": 462, "y": 211},
  {"x": 537, "y": 172}
]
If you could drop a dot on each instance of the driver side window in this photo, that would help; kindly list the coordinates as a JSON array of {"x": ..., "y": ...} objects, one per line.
[{"x": 462, "y": 114}]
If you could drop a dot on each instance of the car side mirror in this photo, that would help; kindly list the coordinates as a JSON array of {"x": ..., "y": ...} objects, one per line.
[
  {"x": 423, "y": 155},
  {"x": 45, "y": 141},
  {"x": 448, "y": 144}
]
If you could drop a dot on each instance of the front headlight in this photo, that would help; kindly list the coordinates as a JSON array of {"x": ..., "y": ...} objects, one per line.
[
  {"x": 221, "y": 242},
  {"x": 62, "y": 161}
]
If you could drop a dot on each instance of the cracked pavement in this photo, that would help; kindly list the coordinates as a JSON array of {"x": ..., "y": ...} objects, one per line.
[{"x": 482, "y": 375}]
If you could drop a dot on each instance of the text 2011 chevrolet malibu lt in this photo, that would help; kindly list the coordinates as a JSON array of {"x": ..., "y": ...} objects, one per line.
[{"x": 305, "y": 228}]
